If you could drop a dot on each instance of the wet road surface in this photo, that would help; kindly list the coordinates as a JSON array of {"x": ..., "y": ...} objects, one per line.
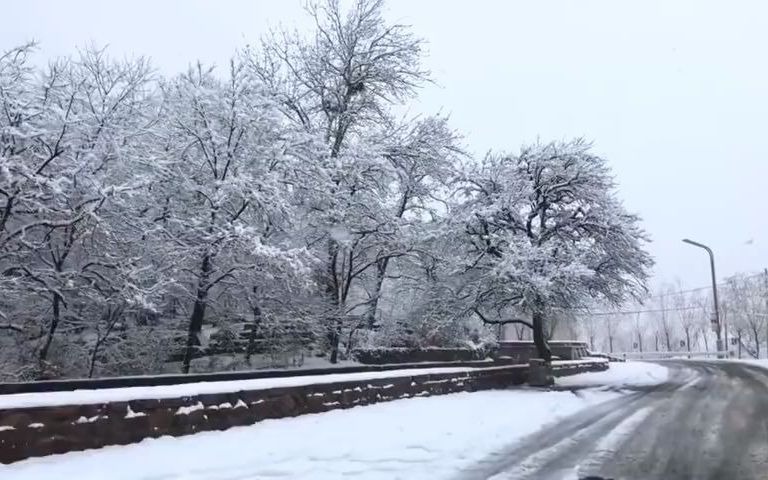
[{"x": 708, "y": 421}]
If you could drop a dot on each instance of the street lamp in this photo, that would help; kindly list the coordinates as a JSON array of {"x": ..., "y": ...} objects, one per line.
[{"x": 714, "y": 290}]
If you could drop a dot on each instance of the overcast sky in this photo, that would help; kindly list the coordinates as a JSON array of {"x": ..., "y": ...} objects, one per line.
[{"x": 673, "y": 94}]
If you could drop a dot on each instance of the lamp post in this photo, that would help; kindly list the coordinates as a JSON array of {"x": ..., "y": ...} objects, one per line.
[{"x": 714, "y": 291}]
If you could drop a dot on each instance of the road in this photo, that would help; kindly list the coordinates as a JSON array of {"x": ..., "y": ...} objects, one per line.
[{"x": 708, "y": 421}]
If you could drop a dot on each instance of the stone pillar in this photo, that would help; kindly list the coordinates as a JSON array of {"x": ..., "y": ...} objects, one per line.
[{"x": 539, "y": 373}]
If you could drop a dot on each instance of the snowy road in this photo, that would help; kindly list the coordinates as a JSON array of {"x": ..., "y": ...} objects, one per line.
[{"x": 708, "y": 421}]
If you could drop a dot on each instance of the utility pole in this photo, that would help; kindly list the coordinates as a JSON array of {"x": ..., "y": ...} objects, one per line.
[
  {"x": 765, "y": 294},
  {"x": 714, "y": 292}
]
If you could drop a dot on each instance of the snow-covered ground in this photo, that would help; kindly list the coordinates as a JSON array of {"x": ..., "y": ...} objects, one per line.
[
  {"x": 422, "y": 438},
  {"x": 619, "y": 375}
]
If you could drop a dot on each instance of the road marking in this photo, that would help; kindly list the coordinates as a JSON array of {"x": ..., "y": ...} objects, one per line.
[
  {"x": 613, "y": 440},
  {"x": 690, "y": 383}
]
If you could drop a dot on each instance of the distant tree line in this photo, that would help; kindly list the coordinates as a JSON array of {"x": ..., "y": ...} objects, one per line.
[{"x": 675, "y": 319}]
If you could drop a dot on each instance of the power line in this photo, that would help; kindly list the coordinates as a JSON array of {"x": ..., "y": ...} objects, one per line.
[
  {"x": 634, "y": 312},
  {"x": 680, "y": 292},
  {"x": 708, "y": 287},
  {"x": 657, "y": 310},
  {"x": 586, "y": 311}
]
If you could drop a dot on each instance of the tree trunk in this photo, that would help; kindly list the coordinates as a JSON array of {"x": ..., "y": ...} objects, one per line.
[
  {"x": 539, "y": 335},
  {"x": 520, "y": 332},
  {"x": 640, "y": 342},
  {"x": 94, "y": 353},
  {"x": 112, "y": 318},
  {"x": 350, "y": 338},
  {"x": 332, "y": 291},
  {"x": 332, "y": 280},
  {"x": 667, "y": 340},
  {"x": 254, "y": 330},
  {"x": 381, "y": 272},
  {"x": 52, "y": 327},
  {"x": 656, "y": 336},
  {"x": 706, "y": 343},
  {"x": 551, "y": 327},
  {"x": 757, "y": 340},
  {"x": 610, "y": 343},
  {"x": 333, "y": 338},
  {"x": 688, "y": 338},
  {"x": 382, "y": 264},
  {"x": 198, "y": 313}
]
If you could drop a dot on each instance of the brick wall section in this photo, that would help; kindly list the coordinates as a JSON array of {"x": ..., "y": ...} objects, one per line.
[{"x": 39, "y": 431}]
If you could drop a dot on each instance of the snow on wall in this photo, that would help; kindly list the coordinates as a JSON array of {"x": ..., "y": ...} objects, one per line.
[
  {"x": 82, "y": 397},
  {"x": 61, "y": 428}
]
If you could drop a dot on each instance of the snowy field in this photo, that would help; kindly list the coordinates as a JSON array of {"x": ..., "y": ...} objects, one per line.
[{"x": 422, "y": 438}]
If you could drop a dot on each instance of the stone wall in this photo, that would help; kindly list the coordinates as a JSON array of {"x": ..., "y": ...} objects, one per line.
[
  {"x": 523, "y": 351},
  {"x": 31, "y": 432},
  {"x": 39, "y": 431}
]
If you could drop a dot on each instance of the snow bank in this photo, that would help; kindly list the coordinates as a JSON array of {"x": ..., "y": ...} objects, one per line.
[
  {"x": 86, "y": 397},
  {"x": 423, "y": 438},
  {"x": 763, "y": 363},
  {"x": 620, "y": 374}
]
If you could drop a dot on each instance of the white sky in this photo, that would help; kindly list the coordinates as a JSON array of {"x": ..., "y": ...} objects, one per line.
[{"x": 674, "y": 94}]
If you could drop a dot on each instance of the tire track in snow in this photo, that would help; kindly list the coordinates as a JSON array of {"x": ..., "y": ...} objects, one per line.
[
  {"x": 589, "y": 447},
  {"x": 612, "y": 442},
  {"x": 527, "y": 455},
  {"x": 556, "y": 452},
  {"x": 543, "y": 460}
]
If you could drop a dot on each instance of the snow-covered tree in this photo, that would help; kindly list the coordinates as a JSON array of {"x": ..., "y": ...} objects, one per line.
[
  {"x": 704, "y": 325},
  {"x": 279, "y": 204},
  {"x": 665, "y": 317},
  {"x": 639, "y": 331},
  {"x": 545, "y": 230},
  {"x": 22, "y": 108},
  {"x": 339, "y": 85},
  {"x": 221, "y": 197},
  {"x": 65, "y": 173},
  {"x": 423, "y": 155},
  {"x": 689, "y": 315},
  {"x": 747, "y": 310}
]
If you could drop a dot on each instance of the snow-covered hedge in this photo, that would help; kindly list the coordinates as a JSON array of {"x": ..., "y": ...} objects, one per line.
[{"x": 382, "y": 355}]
